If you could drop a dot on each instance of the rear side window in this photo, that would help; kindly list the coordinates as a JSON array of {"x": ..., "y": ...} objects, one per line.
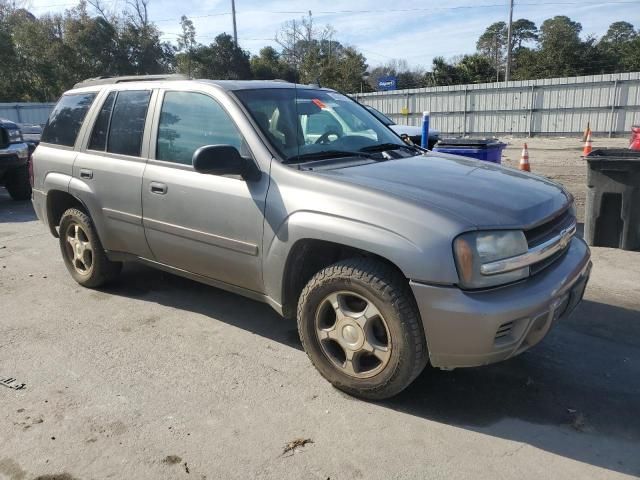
[
  {"x": 190, "y": 120},
  {"x": 66, "y": 119},
  {"x": 126, "y": 126},
  {"x": 98, "y": 139}
]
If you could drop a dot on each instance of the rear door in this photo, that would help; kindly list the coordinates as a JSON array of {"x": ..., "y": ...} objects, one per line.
[
  {"x": 108, "y": 171},
  {"x": 210, "y": 225}
]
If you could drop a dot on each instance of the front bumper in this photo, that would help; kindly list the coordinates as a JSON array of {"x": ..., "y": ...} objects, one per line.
[
  {"x": 466, "y": 329},
  {"x": 14, "y": 155}
]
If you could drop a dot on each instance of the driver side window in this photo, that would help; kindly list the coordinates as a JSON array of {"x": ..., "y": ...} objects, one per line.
[{"x": 190, "y": 120}]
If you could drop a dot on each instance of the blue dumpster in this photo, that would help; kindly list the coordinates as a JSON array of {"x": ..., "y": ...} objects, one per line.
[{"x": 487, "y": 149}]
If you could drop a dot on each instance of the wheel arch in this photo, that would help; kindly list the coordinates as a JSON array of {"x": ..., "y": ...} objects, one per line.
[
  {"x": 58, "y": 202},
  {"x": 309, "y": 241}
]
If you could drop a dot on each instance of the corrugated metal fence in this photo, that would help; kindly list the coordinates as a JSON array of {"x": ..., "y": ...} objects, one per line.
[
  {"x": 31, "y": 113},
  {"x": 554, "y": 106}
]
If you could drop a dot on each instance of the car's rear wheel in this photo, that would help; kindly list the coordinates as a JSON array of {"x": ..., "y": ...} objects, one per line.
[
  {"x": 360, "y": 327},
  {"x": 82, "y": 251},
  {"x": 17, "y": 183}
]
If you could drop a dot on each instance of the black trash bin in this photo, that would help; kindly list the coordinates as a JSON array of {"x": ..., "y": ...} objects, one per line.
[{"x": 612, "y": 216}]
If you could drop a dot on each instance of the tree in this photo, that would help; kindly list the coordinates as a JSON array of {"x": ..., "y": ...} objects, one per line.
[
  {"x": 492, "y": 44},
  {"x": 523, "y": 31},
  {"x": 186, "y": 45},
  {"x": 140, "y": 39},
  {"x": 476, "y": 69},
  {"x": 443, "y": 73},
  {"x": 560, "y": 46},
  {"x": 268, "y": 65},
  {"x": 222, "y": 59},
  {"x": 618, "y": 48},
  {"x": 619, "y": 33},
  {"x": 350, "y": 67}
]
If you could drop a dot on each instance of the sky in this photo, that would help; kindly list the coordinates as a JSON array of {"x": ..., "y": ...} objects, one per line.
[{"x": 381, "y": 29}]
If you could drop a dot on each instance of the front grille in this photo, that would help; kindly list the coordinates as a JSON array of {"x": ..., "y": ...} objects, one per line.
[{"x": 540, "y": 234}]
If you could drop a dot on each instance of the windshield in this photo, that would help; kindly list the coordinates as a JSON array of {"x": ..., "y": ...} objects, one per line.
[{"x": 315, "y": 123}]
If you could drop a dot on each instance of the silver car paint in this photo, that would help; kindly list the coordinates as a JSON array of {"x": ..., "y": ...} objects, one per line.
[{"x": 238, "y": 234}]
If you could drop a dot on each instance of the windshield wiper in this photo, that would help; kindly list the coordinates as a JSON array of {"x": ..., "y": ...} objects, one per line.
[
  {"x": 383, "y": 147},
  {"x": 324, "y": 154}
]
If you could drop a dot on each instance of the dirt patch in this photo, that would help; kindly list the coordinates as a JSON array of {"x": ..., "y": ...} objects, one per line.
[{"x": 172, "y": 459}]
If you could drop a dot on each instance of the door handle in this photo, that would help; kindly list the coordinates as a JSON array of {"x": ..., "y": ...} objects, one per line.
[
  {"x": 86, "y": 173},
  {"x": 158, "y": 188}
]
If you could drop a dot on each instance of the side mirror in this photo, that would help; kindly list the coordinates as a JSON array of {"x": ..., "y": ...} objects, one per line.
[{"x": 223, "y": 160}]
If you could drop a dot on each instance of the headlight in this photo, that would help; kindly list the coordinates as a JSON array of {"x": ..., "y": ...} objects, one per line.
[
  {"x": 15, "y": 136},
  {"x": 476, "y": 248}
]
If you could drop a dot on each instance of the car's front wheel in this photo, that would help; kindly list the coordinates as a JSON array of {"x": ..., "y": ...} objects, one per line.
[
  {"x": 18, "y": 185},
  {"x": 361, "y": 328},
  {"x": 82, "y": 251}
]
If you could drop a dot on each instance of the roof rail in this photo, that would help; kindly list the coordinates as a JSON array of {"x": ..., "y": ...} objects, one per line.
[{"x": 131, "y": 78}]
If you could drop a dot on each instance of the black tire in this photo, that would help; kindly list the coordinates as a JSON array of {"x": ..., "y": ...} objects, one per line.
[
  {"x": 388, "y": 291},
  {"x": 102, "y": 270},
  {"x": 17, "y": 183}
]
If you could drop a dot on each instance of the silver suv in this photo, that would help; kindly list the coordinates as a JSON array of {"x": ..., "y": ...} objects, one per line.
[{"x": 389, "y": 257}]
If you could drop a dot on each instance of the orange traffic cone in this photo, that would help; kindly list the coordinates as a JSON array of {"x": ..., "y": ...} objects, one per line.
[
  {"x": 588, "y": 146},
  {"x": 524, "y": 160}
]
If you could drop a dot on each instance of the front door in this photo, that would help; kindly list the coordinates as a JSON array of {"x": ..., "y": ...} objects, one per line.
[{"x": 205, "y": 224}]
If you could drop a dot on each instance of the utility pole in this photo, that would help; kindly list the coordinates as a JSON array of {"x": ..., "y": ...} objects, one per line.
[
  {"x": 235, "y": 29},
  {"x": 497, "y": 51},
  {"x": 509, "y": 34}
]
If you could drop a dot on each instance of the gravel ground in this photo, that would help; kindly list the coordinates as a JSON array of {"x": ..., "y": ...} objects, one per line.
[{"x": 158, "y": 377}]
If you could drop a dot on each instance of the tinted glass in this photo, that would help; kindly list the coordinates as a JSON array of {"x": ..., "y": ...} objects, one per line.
[
  {"x": 127, "y": 122},
  {"x": 189, "y": 121},
  {"x": 101, "y": 128},
  {"x": 66, "y": 119}
]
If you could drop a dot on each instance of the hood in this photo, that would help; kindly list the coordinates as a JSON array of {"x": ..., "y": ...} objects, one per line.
[
  {"x": 482, "y": 194},
  {"x": 412, "y": 130},
  {"x": 8, "y": 124}
]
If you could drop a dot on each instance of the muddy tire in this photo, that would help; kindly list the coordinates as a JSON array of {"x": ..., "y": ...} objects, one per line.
[
  {"x": 360, "y": 326},
  {"x": 82, "y": 251}
]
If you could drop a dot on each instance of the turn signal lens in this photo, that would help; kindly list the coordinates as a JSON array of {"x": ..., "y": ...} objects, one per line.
[{"x": 464, "y": 254}]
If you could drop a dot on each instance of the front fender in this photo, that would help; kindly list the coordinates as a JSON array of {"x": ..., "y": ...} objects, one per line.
[{"x": 409, "y": 257}]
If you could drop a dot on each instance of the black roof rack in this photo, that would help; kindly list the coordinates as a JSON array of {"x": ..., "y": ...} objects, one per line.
[{"x": 131, "y": 78}]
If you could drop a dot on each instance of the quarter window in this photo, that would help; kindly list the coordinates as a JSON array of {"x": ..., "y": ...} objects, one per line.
[
  {"x": 190, "y": 120},
  {"x": 127, "y": 122},
  {"x": 66, "y": 119}
]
